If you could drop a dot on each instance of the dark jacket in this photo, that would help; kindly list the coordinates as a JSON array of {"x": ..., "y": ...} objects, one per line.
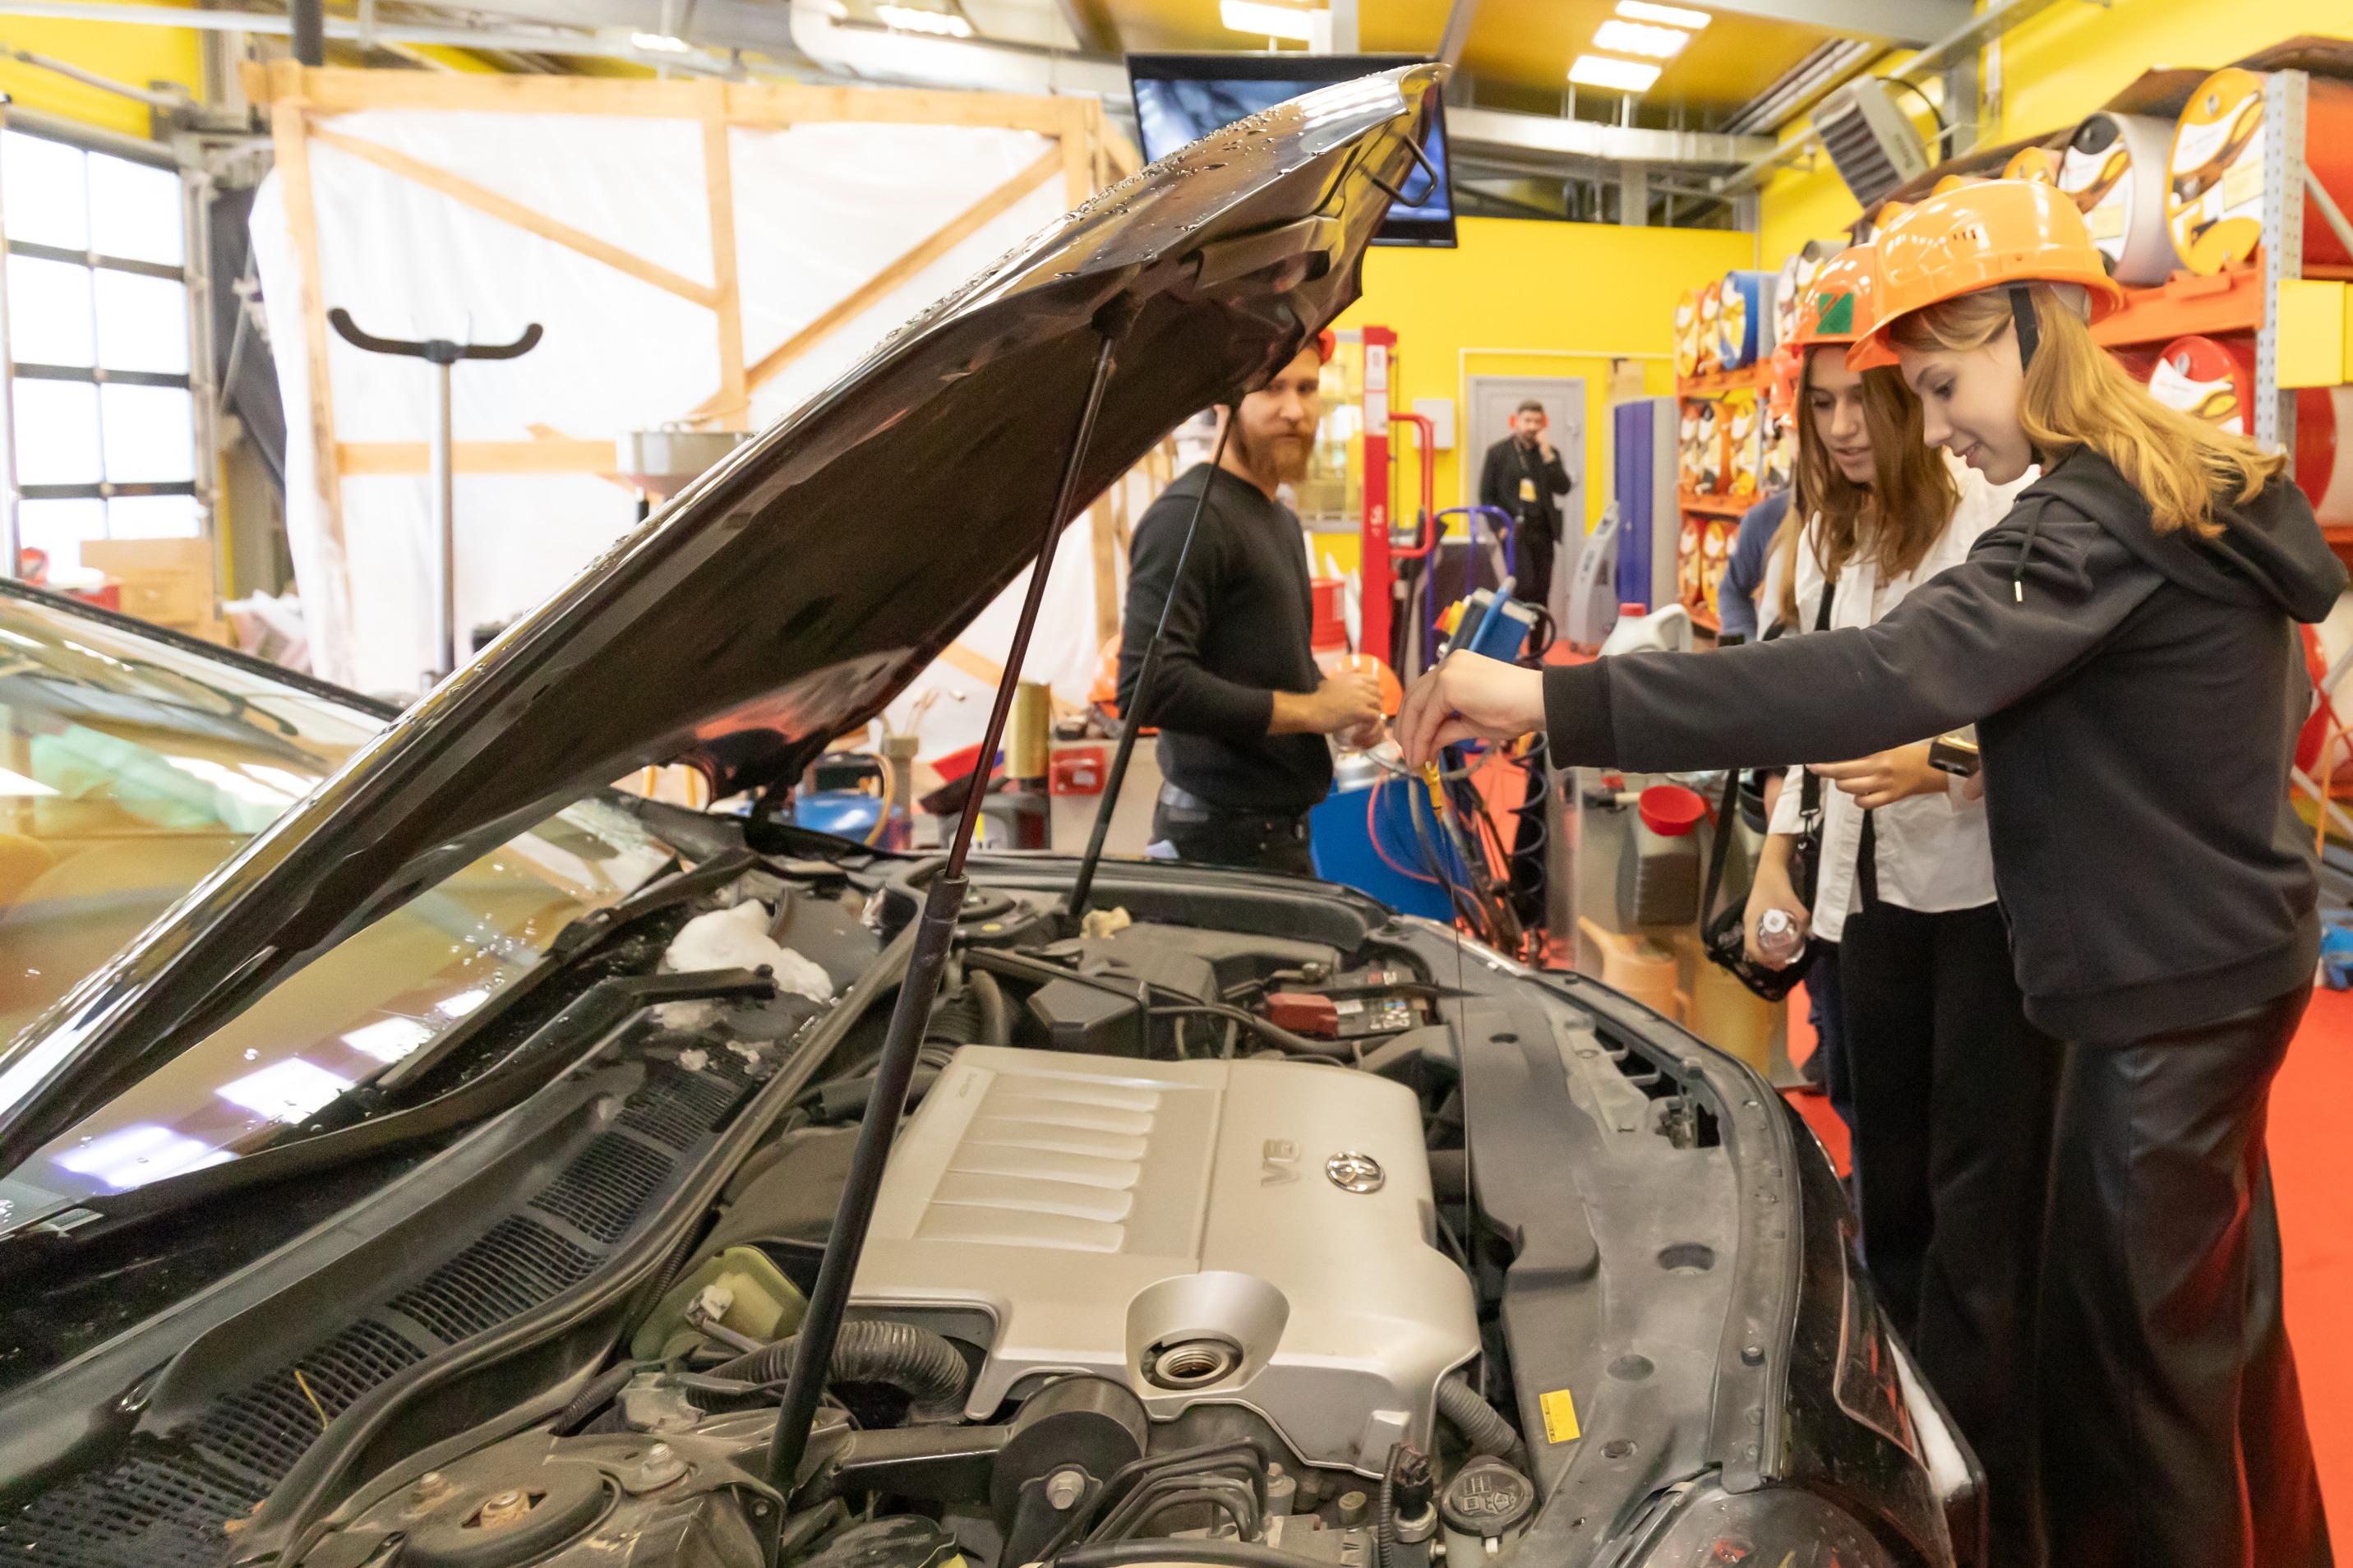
[
  {"x": 2137, "y": 700},
  {"x": 1743, "y": 573},
  {"x": 1238, "y": 632},
  {"x": 1507, "y": 464}
]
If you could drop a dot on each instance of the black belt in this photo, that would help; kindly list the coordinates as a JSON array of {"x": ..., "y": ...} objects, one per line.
[{"x": 1183, "y": 805}]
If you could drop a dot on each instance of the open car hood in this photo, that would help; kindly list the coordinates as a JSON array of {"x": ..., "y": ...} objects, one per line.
[{"x": 788, "y": 595}]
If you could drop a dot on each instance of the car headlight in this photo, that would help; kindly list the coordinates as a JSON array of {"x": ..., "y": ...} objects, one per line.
[{"x": 1778, "y": 1527}]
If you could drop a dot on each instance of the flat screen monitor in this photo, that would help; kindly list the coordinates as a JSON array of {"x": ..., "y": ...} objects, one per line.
[{"x": 1180, "y": 98}]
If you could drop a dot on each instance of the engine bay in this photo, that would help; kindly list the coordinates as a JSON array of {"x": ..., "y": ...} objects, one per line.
[{"x": 1182, "y": 1250}]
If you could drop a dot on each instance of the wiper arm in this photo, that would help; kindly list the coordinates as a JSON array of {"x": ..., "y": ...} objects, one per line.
[
  {"x": 571, "y": 943},
  {"x": 598, "y": 1010}
]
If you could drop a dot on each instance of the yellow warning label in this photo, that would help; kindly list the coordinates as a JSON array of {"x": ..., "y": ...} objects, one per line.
[{"x": 1559, "y": 1416}]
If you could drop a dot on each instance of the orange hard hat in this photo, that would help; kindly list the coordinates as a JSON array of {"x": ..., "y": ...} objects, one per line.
[
  {"x": 1982, "y": 236},
  {"x": 1782, "y": 394},
  {"x": 1842, "y": 302}
]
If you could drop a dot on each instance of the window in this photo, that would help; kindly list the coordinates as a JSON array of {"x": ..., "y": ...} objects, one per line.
[{"x": 98, "y": 328}]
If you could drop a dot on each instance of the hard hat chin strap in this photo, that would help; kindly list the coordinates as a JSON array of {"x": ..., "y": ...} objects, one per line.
[{"x": 2021, "y": 313}]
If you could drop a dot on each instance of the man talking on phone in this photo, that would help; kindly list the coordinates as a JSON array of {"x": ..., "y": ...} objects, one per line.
[{"x": 1524, "y": 476}]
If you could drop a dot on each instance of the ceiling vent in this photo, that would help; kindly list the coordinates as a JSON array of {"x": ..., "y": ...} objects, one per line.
[{"x": 1873, "y": 146}]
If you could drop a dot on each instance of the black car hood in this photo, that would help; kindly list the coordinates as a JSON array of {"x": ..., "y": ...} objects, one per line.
[{"x": 786, "y": 595}]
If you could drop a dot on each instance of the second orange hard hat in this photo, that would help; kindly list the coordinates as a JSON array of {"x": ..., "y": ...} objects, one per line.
[{"x": 1984, "y": 236}]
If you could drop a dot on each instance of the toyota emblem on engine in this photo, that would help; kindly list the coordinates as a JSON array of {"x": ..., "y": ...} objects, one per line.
[{"x": 1353, "y": 1173}]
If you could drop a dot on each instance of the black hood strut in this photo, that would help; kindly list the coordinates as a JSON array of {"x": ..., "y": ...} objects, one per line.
[{"x": 813, "y": 1344}]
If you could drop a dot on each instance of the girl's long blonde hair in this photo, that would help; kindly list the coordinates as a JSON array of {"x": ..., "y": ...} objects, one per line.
[
  {"x": 1896, "y": 519},
  {"x": 2077, "y": 394}
]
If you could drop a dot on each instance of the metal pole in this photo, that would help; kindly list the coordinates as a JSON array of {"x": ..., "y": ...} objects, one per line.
[
  {"x": 813, "y": 1343},
  {"x": 11, "y": 543},
  {"x": 309, "y": 19},
  {"x": 445, "y": 536}
]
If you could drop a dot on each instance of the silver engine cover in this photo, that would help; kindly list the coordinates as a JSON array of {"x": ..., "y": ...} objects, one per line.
[{"x": 1270, "y": 1219}]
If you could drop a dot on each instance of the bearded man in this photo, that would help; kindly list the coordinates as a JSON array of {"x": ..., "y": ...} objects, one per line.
[{"x": 1241, "y": 708}]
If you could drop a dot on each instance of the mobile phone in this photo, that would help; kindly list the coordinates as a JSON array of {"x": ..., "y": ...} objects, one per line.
[{"x": 1956, "y": 752}]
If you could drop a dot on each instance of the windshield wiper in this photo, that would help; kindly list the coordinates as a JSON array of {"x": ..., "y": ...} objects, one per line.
[{"x": 597, "y": 1011}]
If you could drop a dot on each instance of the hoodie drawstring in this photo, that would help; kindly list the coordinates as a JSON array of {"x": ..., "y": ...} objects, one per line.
[{"x": 2025, "y": 548}]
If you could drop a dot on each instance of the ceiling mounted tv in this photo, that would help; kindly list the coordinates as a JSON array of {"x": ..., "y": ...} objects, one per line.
[{"x": 1180, "y": 98}]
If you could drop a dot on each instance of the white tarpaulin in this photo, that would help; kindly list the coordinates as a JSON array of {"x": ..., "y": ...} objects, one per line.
[{"x": 819, "y": 209}]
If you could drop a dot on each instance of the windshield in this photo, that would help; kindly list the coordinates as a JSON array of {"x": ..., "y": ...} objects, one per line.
[{"x": 128, "y": 771}]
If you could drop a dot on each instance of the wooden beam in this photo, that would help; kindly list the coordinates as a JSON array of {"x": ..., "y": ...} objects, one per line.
[
  {"x": 289, "y": 137},
  {"x": 719, "y": 191},
  {"x": 1124, "y": 159},
  {"x": 333, "y": 90},
  {"x": 336, "y": 90},
  {"x": 861, "y": 299},
  {"x": 1105, "y": 529},
  {"x": 529, "y": 219},
  {"x": 980, "y": 666},
  {"x": 793, "y": 103},
  {"x": 1078, "y": 152},
  {"x": 543, "y": 457}
]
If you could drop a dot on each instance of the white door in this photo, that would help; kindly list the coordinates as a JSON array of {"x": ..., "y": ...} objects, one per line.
[{"x": 1493, "y": 400}]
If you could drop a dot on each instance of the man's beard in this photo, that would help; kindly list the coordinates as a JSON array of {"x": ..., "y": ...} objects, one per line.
[{"x": 1285, "y": 460}]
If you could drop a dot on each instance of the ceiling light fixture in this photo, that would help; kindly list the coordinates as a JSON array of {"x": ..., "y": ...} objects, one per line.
[
  {"x": 1601, "y": 70},
  {"x": 1265, "y": 21},
  {"x": 1666, "y": 16},
  {"x": 1637, "y": 38},
  {"x": 921, "y": 19},
  {"x": 661, "y": 43}
]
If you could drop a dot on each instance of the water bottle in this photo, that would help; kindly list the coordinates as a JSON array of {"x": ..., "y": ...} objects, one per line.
[{"x": 1778, "y": 940}]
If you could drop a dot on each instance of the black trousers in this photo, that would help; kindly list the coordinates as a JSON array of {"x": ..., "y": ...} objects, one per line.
[
  {"x": 1253, "y": 841},
  {"x": 2173, "y": 1429},
  {"x": 1532, "y": 555},
  {"x": 1955, "y": 1095}
]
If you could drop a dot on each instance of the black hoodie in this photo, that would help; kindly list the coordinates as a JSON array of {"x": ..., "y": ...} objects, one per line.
[{"x": 2137, "y": 698}]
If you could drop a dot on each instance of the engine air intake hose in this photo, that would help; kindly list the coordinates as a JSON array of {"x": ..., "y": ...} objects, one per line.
[
  {"x": 1478, "y": 1421},
  {"x": 920, "y": 1364}
]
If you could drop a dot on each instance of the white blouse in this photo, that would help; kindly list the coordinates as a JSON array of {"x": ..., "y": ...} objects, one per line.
[{"x": 1933, "y": 853}]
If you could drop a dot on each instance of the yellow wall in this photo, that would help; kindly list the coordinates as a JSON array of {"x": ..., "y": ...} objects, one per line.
[
  {"x": 134, "y": 55},
  {"x": 2062, "y": 65},
  {"x": 1531, "y": 298}
]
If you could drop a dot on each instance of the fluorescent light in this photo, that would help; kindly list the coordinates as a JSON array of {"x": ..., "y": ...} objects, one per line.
[
  {"x": 661, "y": 43},
  {"x": 1636, "y": 39},
  {"x": 292, "y": 1092},
  {"x": 1601, "y": 70},
  {"x": 139, "y": 1153},
  {"x": 921, "y": 19},
  {"x": 388, "y": 1040},
  {"x": 1264, "y": 21},
  {"x": 1670, "y": 15}
]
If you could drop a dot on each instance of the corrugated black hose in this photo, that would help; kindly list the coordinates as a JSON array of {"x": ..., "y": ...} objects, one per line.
[
  {"x": 918, "y": 1363},
  {"x": 1482, "y": 1426}
]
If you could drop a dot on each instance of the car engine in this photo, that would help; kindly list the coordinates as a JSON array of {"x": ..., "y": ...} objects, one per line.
[
  {"x": 1158, "y": 1252},
  {"x": 1258, "y": 1233}
]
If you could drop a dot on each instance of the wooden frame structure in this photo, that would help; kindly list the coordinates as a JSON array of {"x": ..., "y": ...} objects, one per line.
[{"x": 1086, "y": 154}]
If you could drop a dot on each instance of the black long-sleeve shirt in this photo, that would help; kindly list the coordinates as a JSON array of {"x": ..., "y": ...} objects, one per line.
[
  {"x": 2137, "y": 699},
  {"x": 1237, "y": 633},
  {"x": 1508, "y": 464}
]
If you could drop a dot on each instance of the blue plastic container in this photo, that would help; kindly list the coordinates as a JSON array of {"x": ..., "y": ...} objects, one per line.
[{"x": 1744, "y": 321}]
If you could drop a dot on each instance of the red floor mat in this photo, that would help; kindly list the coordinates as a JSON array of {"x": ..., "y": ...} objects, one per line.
[{"x": 2312, "y": 1164}]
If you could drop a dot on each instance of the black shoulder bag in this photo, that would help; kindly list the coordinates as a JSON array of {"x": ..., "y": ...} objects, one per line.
[{"x": 1726, "y": 937}]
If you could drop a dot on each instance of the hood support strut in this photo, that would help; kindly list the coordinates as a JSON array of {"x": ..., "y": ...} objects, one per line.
[
  {"x": 1132, "y": 721},
  {"x": 943, "y": 903}
]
